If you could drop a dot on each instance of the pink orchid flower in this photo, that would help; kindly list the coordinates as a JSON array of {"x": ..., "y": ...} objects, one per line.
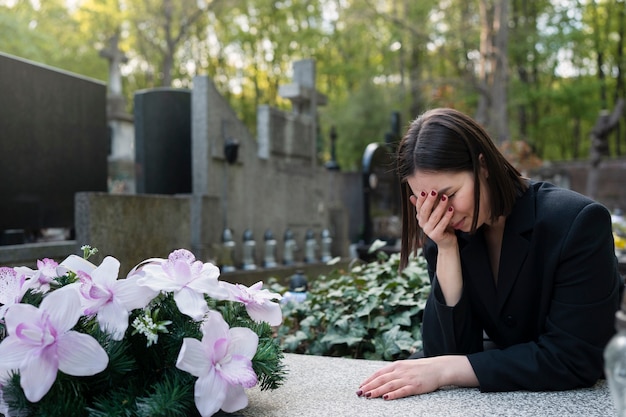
[
  {"x": 12, "y": 288},
  {"x": 222, "y": 361},
  {"x": 104, "y": 295},
  {"x": 40, "y": 343},
  {"x": 258, "y": 302},
  {"x": 41, "y": 278},
  {"x": 187, "y": 278}
]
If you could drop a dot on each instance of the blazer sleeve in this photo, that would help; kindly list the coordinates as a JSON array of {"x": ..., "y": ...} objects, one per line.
[
  {"x": 446, "y": 330},
  {"x": 580, "y": 319}
]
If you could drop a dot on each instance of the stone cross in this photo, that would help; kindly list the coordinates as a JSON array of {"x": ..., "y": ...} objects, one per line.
[
  {"x": 302, "y": 93},
  {"x": 115, "y": 57}
]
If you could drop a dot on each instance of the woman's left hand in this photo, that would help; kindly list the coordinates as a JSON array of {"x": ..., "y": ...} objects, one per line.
[{"x": 418, "y": 376}]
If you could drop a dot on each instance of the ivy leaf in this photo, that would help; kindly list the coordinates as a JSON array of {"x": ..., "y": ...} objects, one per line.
[
  {"x": 367, "y": 308},
  {"x": 403, "y": 319}
]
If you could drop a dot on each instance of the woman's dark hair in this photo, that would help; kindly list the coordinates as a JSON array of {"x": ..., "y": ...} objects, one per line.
[{"x": 446, "y": 140}]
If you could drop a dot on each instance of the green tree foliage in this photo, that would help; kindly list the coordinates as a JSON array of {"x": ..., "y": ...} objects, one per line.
[
  {"x": 565, "y": 58},
  {"x": 48, "y": 34}
]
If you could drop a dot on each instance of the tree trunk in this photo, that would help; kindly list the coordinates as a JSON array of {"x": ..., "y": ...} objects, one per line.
[
  {"x": 499, "y": 125},
  {"x": 493, "y": 66}
]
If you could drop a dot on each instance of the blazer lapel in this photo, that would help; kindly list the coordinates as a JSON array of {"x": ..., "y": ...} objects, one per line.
[
  {"x": 515, "y": 244},
  {"x": 476, "y": 268}
]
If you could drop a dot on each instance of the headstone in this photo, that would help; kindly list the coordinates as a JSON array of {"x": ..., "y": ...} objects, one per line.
[
  {"x": 163, "y": 141},
  {"x": 53, "y": 143},
  {"x": 381, "y": 195}
]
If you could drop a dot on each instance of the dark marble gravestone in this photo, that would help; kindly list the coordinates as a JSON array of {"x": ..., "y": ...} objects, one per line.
[
  {"x": 381, "y": 200},
  {"x": 53, "y": 143},
  {"x": 381, "y": 194},
  {"x": 163, "y": 141}
]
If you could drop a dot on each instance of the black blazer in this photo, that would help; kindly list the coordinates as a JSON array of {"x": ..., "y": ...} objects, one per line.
[{"x": 553, "y": 309}]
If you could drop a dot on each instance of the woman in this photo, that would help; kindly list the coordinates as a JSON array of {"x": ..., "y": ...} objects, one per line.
[{"x": 526, "y": 266}]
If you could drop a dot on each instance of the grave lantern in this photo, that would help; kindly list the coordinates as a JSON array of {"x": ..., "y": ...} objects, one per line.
[
  {"x": 270, "y": 250},
  {"x": 290, "y": 248},
  {"x": 310, "y": 247},
  {"x": 298, "y": 288},
  {"x": 228, "y": 251},
  {"x": 248, "y": 250},
  {"x": 231, "y": 150},
  {"x": 327, "y": 242}
]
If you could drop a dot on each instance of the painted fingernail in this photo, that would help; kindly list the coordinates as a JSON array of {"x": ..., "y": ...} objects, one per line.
[
  {"x": 359, "y": 393},
  {"x": 444, "y": 198},
  {"x": 433, "y": 193},
  {"x": 450, "y": 208},
  {"x": 423, "y": 194},
  {"x": 367, "y": 395},
  {"x": 385, "y": 397}
]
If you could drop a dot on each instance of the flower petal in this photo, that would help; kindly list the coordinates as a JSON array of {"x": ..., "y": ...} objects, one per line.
[
  {"x": 20, "y": 313},
  {"x": 80, "y": 354},
  {"x": 207, "y": 282},
  {"x": 106, "y": 273},
  {"x": 37, "y": 374},
  {"x": 11, "y": 283},
  {"x": 193, "y": 358},
  {"x": 63, "y": 306},
  {"x": 113, "y": 319},
  {"x": 268, "y": 311},
  {"x": 191, "y": 303},
  {"x": 12, "y": 352},
  {"x": 243, "y": 341},
  {"x": 75, "y": 264},
  {"x": 236, "y": 399},
  {"x": 213, "y": 328},
  {"x": 132, "y": 295},
  {"x": 153, "y": 276},
  {"x": 210, "y": 393},
  {"x": 238, "y": 371}
]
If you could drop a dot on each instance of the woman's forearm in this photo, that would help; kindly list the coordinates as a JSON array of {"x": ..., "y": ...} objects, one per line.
[
  {"x": 449, "y": 274},
  {"x": 458, "y": 371}
]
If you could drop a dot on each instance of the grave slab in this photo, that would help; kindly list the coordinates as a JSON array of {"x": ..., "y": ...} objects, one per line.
[{"x": 323, "y": 386}]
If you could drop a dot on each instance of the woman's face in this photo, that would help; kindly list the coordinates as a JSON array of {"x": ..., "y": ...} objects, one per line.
[{"x": 459, "y": 188}]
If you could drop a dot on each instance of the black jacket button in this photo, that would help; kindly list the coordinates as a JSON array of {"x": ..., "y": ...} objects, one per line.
[{"x": 510, "y": 321}]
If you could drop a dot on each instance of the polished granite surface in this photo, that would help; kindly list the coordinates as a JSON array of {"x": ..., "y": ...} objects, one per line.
[{"x": 323, "y": 386}]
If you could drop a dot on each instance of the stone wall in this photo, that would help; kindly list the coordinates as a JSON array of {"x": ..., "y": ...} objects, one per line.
[
  {"x": 573, "y": 174},
  {"x": 274, "y": 184}
]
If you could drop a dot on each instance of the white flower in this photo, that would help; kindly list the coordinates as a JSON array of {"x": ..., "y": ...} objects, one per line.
[
  {"x": 222, "y": 361},
  {"x": 258, "y": 302},
  {"x": 187, "y": 278},
  {"x": 12, "y": 288},
  {"x": 40, "y": 279},
  {"x": 107, "y": 297},
  {"x": 40, "y": 342}
]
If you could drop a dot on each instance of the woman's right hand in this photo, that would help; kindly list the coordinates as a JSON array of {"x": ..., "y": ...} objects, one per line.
[{"x": 434, "y": 214}]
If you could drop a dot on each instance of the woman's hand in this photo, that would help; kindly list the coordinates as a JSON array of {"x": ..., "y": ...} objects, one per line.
[
  {"x": 418, "y": 376},
  {"x": 434, "y": 214}
]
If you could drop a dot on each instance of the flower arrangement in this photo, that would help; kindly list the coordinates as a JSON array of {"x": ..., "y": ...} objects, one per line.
[{"x": 169, "y": 339}]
